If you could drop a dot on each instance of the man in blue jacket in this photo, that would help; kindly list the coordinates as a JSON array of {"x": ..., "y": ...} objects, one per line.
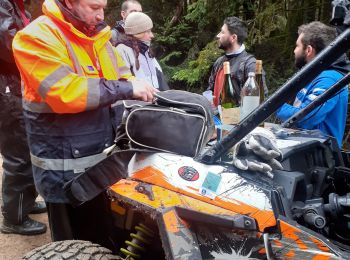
[{"x": 330, "y": 117}]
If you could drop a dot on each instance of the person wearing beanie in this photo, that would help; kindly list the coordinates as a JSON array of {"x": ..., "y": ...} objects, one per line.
[{"x": 135, "y": 50}]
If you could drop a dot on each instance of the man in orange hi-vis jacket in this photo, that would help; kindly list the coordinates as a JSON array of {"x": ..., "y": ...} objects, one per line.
[{"x": 71, "y": 75}]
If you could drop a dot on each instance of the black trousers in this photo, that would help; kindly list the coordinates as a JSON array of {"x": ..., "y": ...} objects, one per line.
[
  {"x": 91, "y": 221},
  {"x": 18, "y": 189}
]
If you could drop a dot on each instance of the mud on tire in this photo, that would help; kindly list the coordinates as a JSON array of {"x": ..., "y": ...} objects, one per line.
[{"x": 70, "y": 249}]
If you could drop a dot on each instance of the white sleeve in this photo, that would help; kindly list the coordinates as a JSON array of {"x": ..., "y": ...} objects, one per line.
[{"x": 127, "y": 55}]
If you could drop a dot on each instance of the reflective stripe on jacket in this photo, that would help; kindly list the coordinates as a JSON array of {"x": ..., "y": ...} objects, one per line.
[
  {"x": 66, "y": 108},
  {"x": 63, "y": 70}
]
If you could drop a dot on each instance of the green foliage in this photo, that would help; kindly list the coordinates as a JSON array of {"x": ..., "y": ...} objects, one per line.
[
  {"x": 266, "y": 23},
  {"x": 188, "y": 57},
  {"x": 177, "y": 38},
  {"x": 196, "y": 12},
  {"x": 171, "y": 56},
  {"x": 195, "y": 75},
  {"x": 184, "y": 42},
  {"x": 187, "y": 50}
]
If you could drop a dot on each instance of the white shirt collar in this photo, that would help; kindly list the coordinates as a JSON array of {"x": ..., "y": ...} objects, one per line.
[{"x": 240, "y": 50}]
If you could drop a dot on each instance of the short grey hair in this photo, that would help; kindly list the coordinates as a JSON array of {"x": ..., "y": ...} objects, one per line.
[{"x": 125, "y": 4}]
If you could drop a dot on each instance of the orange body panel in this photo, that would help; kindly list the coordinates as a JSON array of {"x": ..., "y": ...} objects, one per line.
[
  {"x": 305, "y": 242},
  {"x": 295, "y": 243},
  {"x": 171, "y": 221},
  {"x": 290, "y": 254},
  {"x": 164, "y": 198},
  {"x": 321, "y": 257},
  {"x": 264, "y": 218}
]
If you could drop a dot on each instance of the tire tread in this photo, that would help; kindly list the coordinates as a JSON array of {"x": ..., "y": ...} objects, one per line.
[{"x": 69, "y": 250}]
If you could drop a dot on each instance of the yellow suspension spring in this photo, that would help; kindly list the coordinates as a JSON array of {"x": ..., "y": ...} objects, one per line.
[{"x": 142, "y": 237}]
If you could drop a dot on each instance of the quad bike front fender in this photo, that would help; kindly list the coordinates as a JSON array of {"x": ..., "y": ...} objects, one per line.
[
  {"x": 190, "y": 228},
  {"x": 193, "y": 229}
]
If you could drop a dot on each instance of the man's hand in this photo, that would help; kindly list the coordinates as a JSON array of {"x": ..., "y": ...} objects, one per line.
[
  {"x": 257, "y": 152},
  {"x": 142, "y": 90}
]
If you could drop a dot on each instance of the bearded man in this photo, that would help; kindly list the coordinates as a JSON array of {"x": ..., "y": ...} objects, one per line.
[
  {"x": 231, "y": 39},
  {"x": 330, "y": 117}
]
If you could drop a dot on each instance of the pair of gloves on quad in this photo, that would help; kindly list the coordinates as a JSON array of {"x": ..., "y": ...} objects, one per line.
[{"x": 258, "y": 151}]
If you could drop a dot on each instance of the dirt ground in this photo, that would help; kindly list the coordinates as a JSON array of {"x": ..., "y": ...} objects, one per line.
[{"x": 13, "y": 247}]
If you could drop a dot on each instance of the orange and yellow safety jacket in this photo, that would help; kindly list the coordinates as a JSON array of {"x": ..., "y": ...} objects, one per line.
[
  {"x": 60, "y": 66},
  {"x": 69, "y": 81}
]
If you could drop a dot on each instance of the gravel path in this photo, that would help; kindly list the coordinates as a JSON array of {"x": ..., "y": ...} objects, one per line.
[{"x": 13, "y": 247}]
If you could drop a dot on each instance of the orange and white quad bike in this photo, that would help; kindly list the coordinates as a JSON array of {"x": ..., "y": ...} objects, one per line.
[
  {"x": 217, "y": 212},
  {"x": 174, "y": 207},
  {"x": 168, "y": 206}
]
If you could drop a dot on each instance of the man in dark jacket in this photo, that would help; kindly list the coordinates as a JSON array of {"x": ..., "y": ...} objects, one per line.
[
  {"x": 231, "y": 38},
  {"x": 18, "y": 190},
  {"x": 127, "y": 7}
]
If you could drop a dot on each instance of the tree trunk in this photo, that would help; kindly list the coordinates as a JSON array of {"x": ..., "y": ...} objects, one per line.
[{"x": 178, "y": 11}]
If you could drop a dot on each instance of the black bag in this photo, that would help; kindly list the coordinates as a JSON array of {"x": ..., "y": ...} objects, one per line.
[{"x": 177, "y": 121}]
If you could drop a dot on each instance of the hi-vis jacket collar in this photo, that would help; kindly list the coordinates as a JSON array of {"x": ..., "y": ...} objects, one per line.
[{"x": 52, "y": 10}]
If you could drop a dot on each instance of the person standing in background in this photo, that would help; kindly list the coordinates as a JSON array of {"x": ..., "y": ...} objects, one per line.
[
  {"x": 231, "y": 39},
  {"x": 135, "y": 50},
  {"x": 330, "y": 117},
  {"x": 128, "y": 7},
  {"x": 18, "y": 190}
]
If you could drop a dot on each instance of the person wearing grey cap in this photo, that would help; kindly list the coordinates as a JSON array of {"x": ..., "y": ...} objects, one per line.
[{"x": 135, "y": 50}]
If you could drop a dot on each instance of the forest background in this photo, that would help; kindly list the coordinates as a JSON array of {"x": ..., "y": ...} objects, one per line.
[{"x": 185, "y": 34}]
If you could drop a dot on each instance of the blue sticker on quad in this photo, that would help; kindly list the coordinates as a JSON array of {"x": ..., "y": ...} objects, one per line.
[{"x": 211, "y": 182}]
